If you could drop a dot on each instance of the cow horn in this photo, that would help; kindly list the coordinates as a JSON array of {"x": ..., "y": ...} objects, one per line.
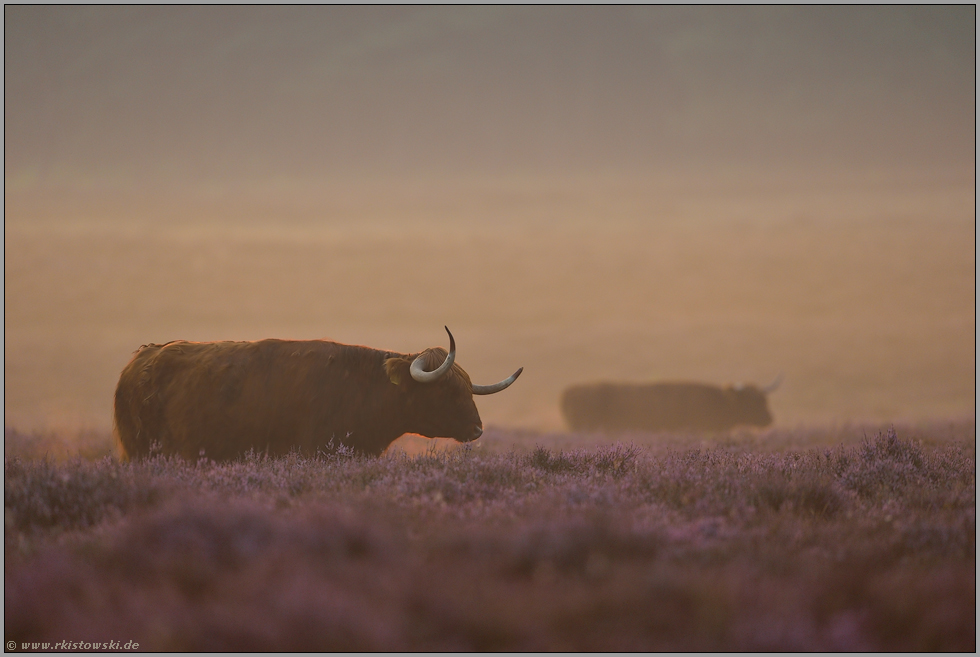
[
  {"x": 497, "y": 387},
  {"x": 775, "y": 384},
  {"x": 418, "y": 367}
]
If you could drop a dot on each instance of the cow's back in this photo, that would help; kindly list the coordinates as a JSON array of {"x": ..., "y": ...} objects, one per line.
[
  {"x": 221, "y": 399},
  {"x": 645, "y": 407}
]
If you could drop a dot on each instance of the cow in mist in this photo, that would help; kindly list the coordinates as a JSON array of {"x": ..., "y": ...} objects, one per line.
[
  {"x": 222, "y": 399},
  {"x": 665, "y": 406}
]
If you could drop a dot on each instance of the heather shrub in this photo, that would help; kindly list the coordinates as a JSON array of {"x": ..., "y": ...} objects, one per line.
[
  {"x": 809, "y": 494},
  {"x": 207, "y": 576},
  {"x": 616, "y": 460},
  {"x": 868, "y": 545},
  {"x": 888, "y": 467},
  {"x": 74, "y": 494},
  {"x": 57, "y": 446}
]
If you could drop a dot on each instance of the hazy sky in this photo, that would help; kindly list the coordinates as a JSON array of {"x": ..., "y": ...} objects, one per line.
[{"x": 219, "y": 93}]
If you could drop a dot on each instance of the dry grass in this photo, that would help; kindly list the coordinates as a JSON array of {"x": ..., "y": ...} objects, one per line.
[{"x": 858, "y": 544}]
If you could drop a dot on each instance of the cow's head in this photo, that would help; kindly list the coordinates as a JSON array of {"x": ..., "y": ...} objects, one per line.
[
  {"x": 437, "y": 394},
  {"x": 750, "y": 404}
]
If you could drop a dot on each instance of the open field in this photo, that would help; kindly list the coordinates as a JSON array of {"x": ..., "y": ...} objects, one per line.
[
  {"x": 667, "y": 194},
  {"x": 862, "y": 538},
  {"x": 860, "y": 291},
  {"x": 822, "y": 532}
]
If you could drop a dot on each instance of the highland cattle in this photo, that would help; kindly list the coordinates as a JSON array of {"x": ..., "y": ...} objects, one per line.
[
  {"x": 620, "y": 407},
  {"x": 220, "y": 400}
]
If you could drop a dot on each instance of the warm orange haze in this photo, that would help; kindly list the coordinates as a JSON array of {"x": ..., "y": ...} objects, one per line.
[
  {"x": 614, "y": 237},
  {"x": 862, "y": 297},
  {"x": 738, "y": 242},
  {"x": 669, "y": 204}
]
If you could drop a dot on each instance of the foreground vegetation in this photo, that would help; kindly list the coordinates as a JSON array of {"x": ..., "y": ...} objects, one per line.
[{"x": 860, "y": 545}]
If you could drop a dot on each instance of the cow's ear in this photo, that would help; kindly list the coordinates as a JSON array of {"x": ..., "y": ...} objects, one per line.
[{"x": 397, "y": 369}]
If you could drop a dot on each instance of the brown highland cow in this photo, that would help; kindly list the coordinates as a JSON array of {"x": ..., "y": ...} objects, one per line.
[
  {"x": 221, "y": 399},
  {"x": 665, "y": 406}
]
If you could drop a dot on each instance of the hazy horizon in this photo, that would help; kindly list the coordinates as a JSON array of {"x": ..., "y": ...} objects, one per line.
[
  {"x": 185, "y": 94},
  {"x": 634, "y": 193}
]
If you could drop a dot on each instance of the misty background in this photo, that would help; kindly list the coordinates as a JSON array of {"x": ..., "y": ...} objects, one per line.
[
  {"x": 629, "y": 193},
  {"x": 222, "y": 93}
]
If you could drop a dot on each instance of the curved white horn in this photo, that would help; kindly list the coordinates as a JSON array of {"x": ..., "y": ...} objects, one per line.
[
  {"x": 497, "y": 387},
  {"x": 775, "y": 384},
  {"x": 418, "y": 367}
]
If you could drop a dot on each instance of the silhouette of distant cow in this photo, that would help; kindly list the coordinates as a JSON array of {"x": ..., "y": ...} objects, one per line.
[
  {"x": 665, "y": 406},
  {"x": 222, "y": 399}
]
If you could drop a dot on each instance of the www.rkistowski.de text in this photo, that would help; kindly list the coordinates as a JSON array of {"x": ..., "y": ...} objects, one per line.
[{"x": 73, "y": 645}]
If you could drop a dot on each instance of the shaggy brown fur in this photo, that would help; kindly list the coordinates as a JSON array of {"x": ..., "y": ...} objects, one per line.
[
  {"x": 221, "y": 399},
  {"x": 398, "y": 367}
]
